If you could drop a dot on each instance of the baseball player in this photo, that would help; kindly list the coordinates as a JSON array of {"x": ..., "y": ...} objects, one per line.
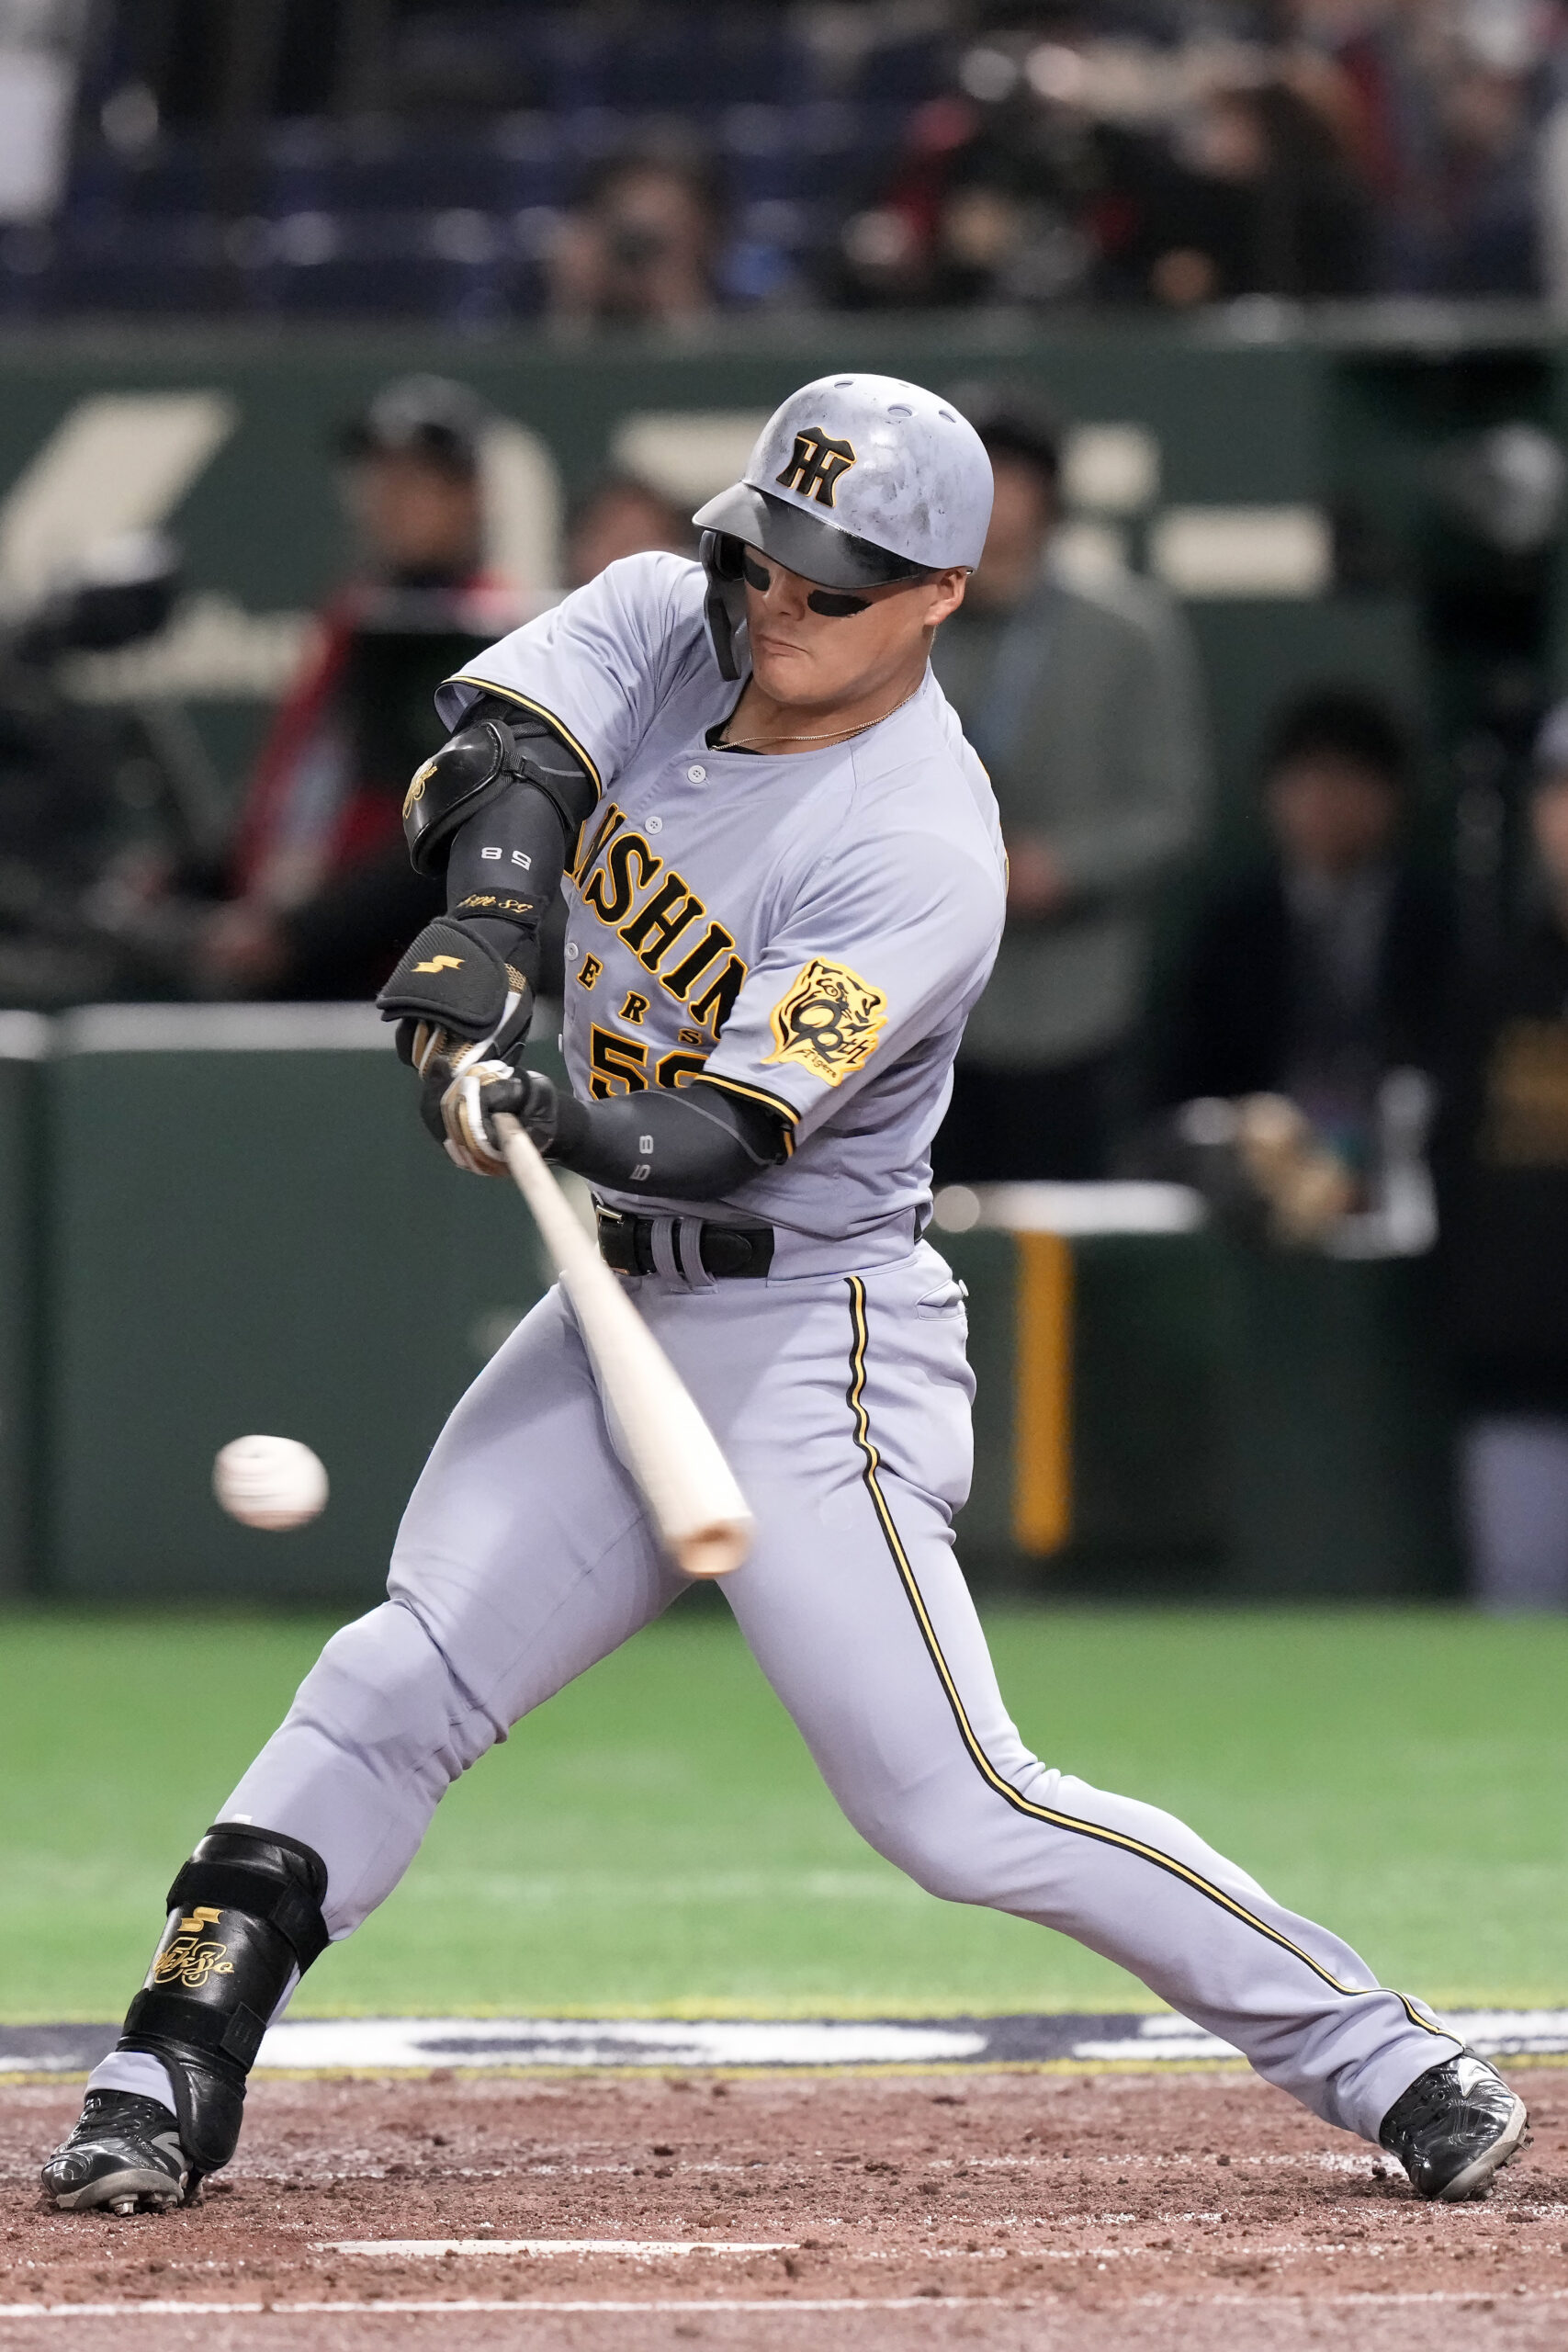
[{"x": 785, "y": 891}]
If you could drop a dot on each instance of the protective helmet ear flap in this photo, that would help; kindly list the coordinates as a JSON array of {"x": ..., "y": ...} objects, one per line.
[
  {"x": 724, "y": 606},
  {"x": 728, "y": 554}
]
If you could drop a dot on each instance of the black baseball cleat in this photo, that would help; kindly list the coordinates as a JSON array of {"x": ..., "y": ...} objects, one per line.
[
  {"x": 1455, "y": 2126},
  {"x": 125, "y": 2152}
]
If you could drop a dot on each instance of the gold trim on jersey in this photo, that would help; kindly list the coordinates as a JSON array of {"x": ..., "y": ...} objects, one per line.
[
  {"x": 978, "y": 1755},
  {"x": 786, "y": 1111},
  {"x": 558, "y": 727}
]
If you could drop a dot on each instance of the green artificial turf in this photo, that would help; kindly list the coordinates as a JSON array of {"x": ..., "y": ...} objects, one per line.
[{"x": 656, "y": 1839}]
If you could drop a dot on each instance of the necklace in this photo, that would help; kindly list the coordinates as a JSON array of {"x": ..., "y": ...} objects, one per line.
[{"x": 728, "y": 743}]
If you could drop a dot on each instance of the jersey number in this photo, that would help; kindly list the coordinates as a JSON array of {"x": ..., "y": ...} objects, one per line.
[{"x": 619, "y": 1065}]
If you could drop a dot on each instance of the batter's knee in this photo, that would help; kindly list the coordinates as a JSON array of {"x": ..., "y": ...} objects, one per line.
[
  {"x": 949, "y": 1860},
  {"x": 383, "y": 1689},
  {"x": 951, "y": 1876}
]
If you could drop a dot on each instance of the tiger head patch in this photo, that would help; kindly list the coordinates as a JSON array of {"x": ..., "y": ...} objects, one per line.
[{"x": 829, "y": 1021}]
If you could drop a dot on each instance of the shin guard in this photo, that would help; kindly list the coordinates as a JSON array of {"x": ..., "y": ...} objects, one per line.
[{"x": 245, "y": 1914}]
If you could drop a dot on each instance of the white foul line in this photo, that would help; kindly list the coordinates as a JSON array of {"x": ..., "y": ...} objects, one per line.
[
  {"x": 646, "y": 2247},
  {"x": 424, "y": 2307},
  {"x": 791, "y": 2304}
]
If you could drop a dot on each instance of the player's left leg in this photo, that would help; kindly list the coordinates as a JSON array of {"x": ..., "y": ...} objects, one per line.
[
  {"x": 524, "y": 1556},
  {"x": 856, "y": 1608}
]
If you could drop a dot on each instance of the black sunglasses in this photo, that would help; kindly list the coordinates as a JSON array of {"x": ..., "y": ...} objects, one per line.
[{"x": 826, "y": 600}]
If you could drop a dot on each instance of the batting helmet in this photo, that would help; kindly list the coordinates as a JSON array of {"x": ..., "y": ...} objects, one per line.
[{"x": 854, "y": 482}]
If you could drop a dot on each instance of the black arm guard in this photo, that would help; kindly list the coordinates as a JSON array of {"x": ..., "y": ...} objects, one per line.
[
  {"x": 500, "y": 747},
  {"x": 692, "y": 1144},
  {"x": 245, "y": 1913},
  {"x": 499, "y": 807},
  {"x": 471, "y": 769}
]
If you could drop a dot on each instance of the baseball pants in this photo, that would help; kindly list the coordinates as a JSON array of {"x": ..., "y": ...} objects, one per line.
[{"x": 843, "y": 1402}]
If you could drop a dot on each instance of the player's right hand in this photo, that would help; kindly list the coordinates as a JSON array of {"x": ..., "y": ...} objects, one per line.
[{"x": 472, "y": 1098}]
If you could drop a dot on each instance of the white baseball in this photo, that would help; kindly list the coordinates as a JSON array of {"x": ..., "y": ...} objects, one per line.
[{"x": 273, "y": 1482}]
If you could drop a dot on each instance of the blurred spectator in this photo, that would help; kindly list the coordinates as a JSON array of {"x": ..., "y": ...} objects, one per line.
[
  {"x": 1030, "y": 200},
  {"x": 1318, "y": 974},
  {"x": 1504, "y": 1200},
  {"x": 1448, "y": 99},
  {"x": 1084, "y": 704},
  {"x": 324, "y": 899},
  {"x": 621, "y": 514},
  {"x": 640, "y": 245},
  {"x": 94, "y": 798},
  {"x": 1174, "y": 151},
  {"x": 1262, "y": 201}
]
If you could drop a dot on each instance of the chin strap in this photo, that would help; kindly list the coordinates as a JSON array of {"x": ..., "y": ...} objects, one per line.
[{"x": 244, "y": 1920}]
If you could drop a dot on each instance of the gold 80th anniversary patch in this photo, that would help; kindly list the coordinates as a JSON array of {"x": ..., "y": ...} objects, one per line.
[{"x": 829, "y": 1021}]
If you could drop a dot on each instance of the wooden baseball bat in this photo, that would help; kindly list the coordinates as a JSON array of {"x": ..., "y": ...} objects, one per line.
[{"x": 689, "y": 1487}]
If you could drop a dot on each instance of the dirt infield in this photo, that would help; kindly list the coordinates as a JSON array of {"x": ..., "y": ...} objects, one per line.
[{"x": 1174, "y": 2215}]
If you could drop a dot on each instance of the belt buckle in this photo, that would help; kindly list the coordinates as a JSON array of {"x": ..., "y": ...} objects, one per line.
[{"x": 618, "y": 1240}]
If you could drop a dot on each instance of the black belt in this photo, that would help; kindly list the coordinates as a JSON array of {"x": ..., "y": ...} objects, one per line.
[{"x": 728, "y": 1253}]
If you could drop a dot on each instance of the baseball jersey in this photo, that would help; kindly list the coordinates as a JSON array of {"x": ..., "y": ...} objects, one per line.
[{"x": 809, "y": 930}]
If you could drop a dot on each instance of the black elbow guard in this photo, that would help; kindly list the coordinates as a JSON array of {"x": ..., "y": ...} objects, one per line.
[
  {"x": 470, "y": 770},
  {"x": 475, "y": 767}
]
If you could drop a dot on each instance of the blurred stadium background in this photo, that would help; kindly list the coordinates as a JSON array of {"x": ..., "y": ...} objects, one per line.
[{"x": 338, "y": 336}]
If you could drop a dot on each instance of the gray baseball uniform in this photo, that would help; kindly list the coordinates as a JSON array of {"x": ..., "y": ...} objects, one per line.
[{"x": 811, "y": 930}]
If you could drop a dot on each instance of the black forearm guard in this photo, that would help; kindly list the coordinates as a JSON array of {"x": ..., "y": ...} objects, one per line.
[
  {"x": 695, "y": 1144},
  {"x": 245, "y": 1914},
  {"x": 451, "y": 977}
]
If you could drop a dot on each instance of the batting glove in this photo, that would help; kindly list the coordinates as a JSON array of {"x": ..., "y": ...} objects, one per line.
[{"x": 470, "y": 1099}]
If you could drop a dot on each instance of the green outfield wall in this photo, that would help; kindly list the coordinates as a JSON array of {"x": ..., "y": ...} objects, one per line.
[{"x": 226, "y": 1219}]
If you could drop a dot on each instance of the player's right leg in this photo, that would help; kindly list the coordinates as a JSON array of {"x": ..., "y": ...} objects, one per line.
[
  {"x": 522, "y": 1557},
  {"x": 855, "y": 1606}
]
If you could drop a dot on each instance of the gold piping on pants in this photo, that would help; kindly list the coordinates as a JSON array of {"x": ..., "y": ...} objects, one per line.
[{"x": 982, "y": 1762}]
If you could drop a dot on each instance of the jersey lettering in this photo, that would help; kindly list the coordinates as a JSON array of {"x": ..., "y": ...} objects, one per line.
[
  {"x": 660, "y": 920},
  {"x": 611, "y": 822},
  {"x": 615, "y": 866},
  {"x": 634, "y": 1008},
  {"x": 617, "y": 1065},
  {"x": 716, "y": 1001},
  {"x": 611, "y": 890},
  {"x": 712, "y": 942}
]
